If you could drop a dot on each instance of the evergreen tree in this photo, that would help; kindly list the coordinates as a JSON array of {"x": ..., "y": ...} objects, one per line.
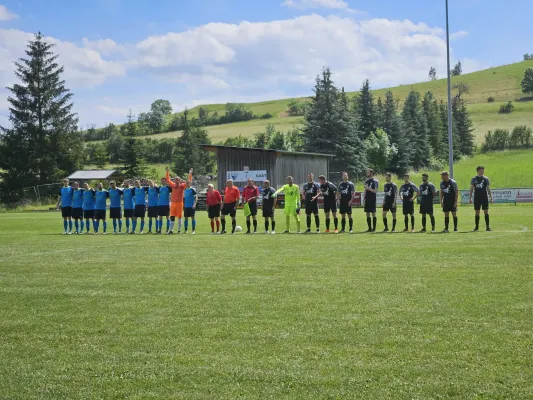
[
  {"x": 100, "y": 157},
  {"x": 364, "y": 104},
  {"x": 350, "y": 149},
  {"x": 415, "y": 126},
  {"x": 434, "y": 123},
  {"x": 392, "y": 125},
  {"x": 134, "y": 165},
  {"x": 189, "y": 153},
  {"x": 380, "y": 109},
  {"x": 443, "y": 114},
  {"x": 43, "y": 143},
  {"x": 464, "y": 127}
]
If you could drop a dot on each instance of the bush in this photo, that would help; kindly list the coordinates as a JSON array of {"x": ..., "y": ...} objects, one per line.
[
  {"x": 266, "y": 116},
  {"x": 490, "y": 99},
  {"x": 507, "y": 108}
]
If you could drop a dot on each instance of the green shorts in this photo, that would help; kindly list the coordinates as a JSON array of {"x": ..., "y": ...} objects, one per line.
[{"x": 290, "y": 210}]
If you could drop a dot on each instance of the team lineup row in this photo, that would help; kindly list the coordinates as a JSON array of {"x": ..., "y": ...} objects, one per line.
[{"x": 176, "y": 199}]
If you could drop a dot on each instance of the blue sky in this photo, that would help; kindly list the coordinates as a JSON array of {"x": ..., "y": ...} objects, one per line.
[{"x": 121, "y": 54}]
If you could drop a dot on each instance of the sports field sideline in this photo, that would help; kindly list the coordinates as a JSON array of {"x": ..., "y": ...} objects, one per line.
[{"x": 287, "y": 316}]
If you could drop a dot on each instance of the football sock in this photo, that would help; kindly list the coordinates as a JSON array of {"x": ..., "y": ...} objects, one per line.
[
  {"x": 455, "y": 221},
  {"x": 105, "y": 226},
  {"x": 446, "y": 222},
  {"x": 273, "y": 225},
  {"x": 336, "y": 223},
  {"x": 248, "y": 225},
  {"x": 65, "y": 225},
  {"x": 255, "y": 225},
  {"x": 193, "y": 225},
  {"x": 308, "y": 220},
  {"x": 128, "y": 224},
  {"x": 351, "y": 223},
  {"x": 343, "y": 223},
  {"x": 77, "y": 225},
  {"x": 97, "y": 227},
  {"x": 394, "y": 223},
  {"x": 171, "y": 226},
  {"x": 477, "y": 221},
  {"x": 317, "y": 221},
  {"x": 406, "y": 221},
  {"x": 328, "y": 220},
  {"x": 142, "y": 225},
  {"x": 412, "y": 222},
  {"x": 168, "y": 224},
  {"x": 385, "y": 223},
  {"x": 288, "y": 223},
  {"x": 432, "y": 217},
  {"x": 114, "y": 225},
  {"x": 120, "y": 225},
  {"x": 179, "y": 224},
  {"x": 212, "y": 226},
  {"x": 223, "y": 224},
  {"x": 266, "y": 224},
  {"x": 374, "y": 223},
  {"x": 88, "y": 225},
  {"x": 487, "y": 220},
  {"x": 150, "y": 224},
  {"x": 423, "y": 221},
  {"x": 70, "y": 226},
  {"x": 233, "y": 225},
  {"x": 369, "y": 223},
  {"x": 218, "y": 225},
  {"x": 298, "y": 223},
  {"x": 133, "y": 225},
  {"x": 186, "y": 224}
]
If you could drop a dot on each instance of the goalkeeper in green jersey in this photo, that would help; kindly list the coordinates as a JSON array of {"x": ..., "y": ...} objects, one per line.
[{"x": 292, "y": 203}]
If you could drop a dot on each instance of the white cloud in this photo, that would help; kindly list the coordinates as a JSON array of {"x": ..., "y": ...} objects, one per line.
[
  {"x": 106, "y": 47},
  {"x": 5, "y": 14},
  {"x": 315, "y": 4},
  {"x": 458, "y": 35}
]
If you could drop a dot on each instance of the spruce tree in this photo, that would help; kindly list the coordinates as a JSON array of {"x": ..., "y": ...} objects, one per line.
[
  {"x": 365, "y": 109},
  {"x": 392, "y": 125},
  {"x": 434, "y": 123},
  {"x": 464, "y": 127},
  {"x": 443, "y": 115},
  {"x": 415, "y": 126},
  {"x": 134, "y": 165},
  {"x": 43, "y": 143}
]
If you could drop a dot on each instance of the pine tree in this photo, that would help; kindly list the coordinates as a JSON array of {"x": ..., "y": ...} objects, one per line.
[
  {"x": 392, "y": 125},
  {"x": 43, "y": 143},
  {"x": 415, "y": 126},
  {"x": 189, "y": 153},
  {"x": 134, "y": 165},
  {"x": 434, "y": 123},
  {"x": 464, "y": 127},
  {"x": 365, "y": 110},
  {"x": 443, "y": 114},
  {"x": 379, "y": 110}
]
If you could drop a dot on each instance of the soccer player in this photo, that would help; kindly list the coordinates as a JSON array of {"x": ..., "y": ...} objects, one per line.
[
  {"x": 65, "y": 198},
  {"x": 115, "y": 212},
  {"x": 190, "y": 198},
  {"x": 153, "y": 205},
  {"x": 213, "y": 201},
  {"x": 269, "y": 206},
  {"x": 77, "y": 207},
  {"x": 292, "y": 203},
  {"x": 389, "y": 202},
  {"x": 163, "y": 206},
  {"x": 250, "y": 194},
  {"x": 409, "y": 193},
  {"x": 328, "y": 192},
  {"x": 229, "y": 207},
  {"x": 139, "y": 197},
  {"x": 176, "y": 203},
  {"x": 129, "y": 205},
  {"x": 449, "y": 194},
  {"x": 427, "y": 194},
  {"x": 88, "y": 206},
  {"x": 480, "y": 187},
  {"x": 346, "y": 191},
  {"x": 310, "y": 192},
  {"x": 371, "y": 190},
  {"x": 100, "y": 205}
]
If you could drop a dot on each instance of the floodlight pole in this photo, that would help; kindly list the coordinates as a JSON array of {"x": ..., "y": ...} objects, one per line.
[{"x": 450, "y": 122}]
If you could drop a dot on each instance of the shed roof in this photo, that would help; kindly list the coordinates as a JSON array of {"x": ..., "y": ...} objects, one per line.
[
  {"x": 94, "y": 174},
  {"x": 214, "y": 147}
]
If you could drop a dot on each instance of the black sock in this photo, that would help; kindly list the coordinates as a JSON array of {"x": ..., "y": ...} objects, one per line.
[
  {"x": 308, "y": 222},
  {"x": 374, "y": 223},
  {"x": 317, "y": 221},
  {"x": 255, "y": 225},
  {"x": 432, "y": 218},
  {"x": 223, "y": 222},
  {"x": 369, "y": 223},
  {"x": 412, "y": 222},
  {"x": 446, "y": 222},
  {"x": 233, "y": 225},
  {"x": 351, "y": 223},
  {"x": 455, "y": 220},
  {"x": 273, "y": 225},
  {"x": 394, "y": 223},
  {"x": 336, "y": 223},
  {"x": 327, "y": 223},
  {"x": 343, "y": 223},
  {"x": 385, "y": 223},
  {"x": 423, "y": 221},
  {"x": 266, "y": 224},
  {"x": 406, "y": 221},
  {"x": 477, "y": 221},
  {"x": 248, "y": 225},
  {"x": 487, "y": 220}
]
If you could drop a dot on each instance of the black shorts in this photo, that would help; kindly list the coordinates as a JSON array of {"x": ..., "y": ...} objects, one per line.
[
  {"x": 229, "y": 209},
  {"x": 370, "y": 206},
  {"x": 330, "y": 206},
  {"x": 189, "y": 212},
  {"x": 88, "y": 214},
  {"x": 389, "y": 207},
  {"x": 408, "y": 207},
  {"x": 213, "y": 211},
  {"x": 153, "y": 212},
  {"x": 115, "y": 213},
  {"x": 66, "y": 212},
  {"x": 448, "y": 207},
  {"x": 163, "y": 211},
  {"x": 268, "y": 212},
  {"x": 140, "y": 211},
  {"x": 99, "y": 214},
  {"x": 426, "y": 208},
  {"x": 344, "y": 208},
  {"x": 253, "y": 208},
  {"x": 311, "y": 207},
  {"x": 128, "y": 213},
  {"x": 481, "y": 205},
  {"x": 77, "y": 213}
]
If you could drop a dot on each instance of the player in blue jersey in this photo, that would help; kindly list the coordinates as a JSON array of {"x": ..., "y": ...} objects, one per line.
[
  {"x": 88, "y": 206},
  {"x": 100, "y": 206},
  {"x": 139, "y": 197},
  {"x": 190, "y": 198},
  {"x": 77, "y": 207},
  {"x": 65, "y": 199},
  {"x": 153, "y": 204},
  {"x": 163, "y": 207},
  {"x": 115, "y": 212},
  {"x": 127, "y": 198}
]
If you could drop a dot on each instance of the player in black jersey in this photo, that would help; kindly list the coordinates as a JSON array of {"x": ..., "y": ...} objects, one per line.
[
  {"x": 427, "y": 194},
  {"x": 345, "y": 194},
  {"x": 310, "y": 192},
  {"x": 409, "y": 193},
  {"x": 371, "y": 190},
  {"x": 269, "y": 205},
  {"x": 480, "y": 187},
  {"x": 328, "y": 192},
  {"x": 389, "y": 202},
  {"x": 449, "y": 195}
]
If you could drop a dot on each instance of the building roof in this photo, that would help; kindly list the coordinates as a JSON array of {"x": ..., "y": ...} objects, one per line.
[
  {"x": 214, "y": 147},
  {"x": 94, "y": 174}
]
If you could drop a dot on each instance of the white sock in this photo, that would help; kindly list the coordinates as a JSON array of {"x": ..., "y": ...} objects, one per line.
[
  {"x": 179, "y": 225},
  {"x": 171, "y": 225}
]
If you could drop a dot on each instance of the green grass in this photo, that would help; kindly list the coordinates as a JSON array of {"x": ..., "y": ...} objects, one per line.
[{"x": 301, "y": 317}]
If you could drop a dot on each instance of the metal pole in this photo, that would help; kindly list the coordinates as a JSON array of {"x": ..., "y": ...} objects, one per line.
[{"x": 450, "y": 123}]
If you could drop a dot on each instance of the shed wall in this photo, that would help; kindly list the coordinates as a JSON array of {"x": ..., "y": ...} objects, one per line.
[{"x": 298, "y": 167}]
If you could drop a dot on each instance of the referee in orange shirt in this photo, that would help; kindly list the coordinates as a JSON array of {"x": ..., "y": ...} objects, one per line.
[{"x": 231, "y": 199}]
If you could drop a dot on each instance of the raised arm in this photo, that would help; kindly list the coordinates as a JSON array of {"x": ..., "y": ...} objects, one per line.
[{"x": 167, "y": 178}]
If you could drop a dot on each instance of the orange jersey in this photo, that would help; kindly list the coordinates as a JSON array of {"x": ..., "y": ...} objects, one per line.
[
  {"x": 177, "y": 189},
  {"x": 231, "y": 195}
]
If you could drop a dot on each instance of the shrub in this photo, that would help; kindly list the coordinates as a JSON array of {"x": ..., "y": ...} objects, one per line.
[
  {"x": 507, "y": 108},
  {"x": 490, "y": 99},
  {"x": 266, "y": 116}
]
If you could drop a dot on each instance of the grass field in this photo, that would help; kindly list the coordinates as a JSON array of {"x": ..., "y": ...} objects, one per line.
[{"x": 403, "y": 316}]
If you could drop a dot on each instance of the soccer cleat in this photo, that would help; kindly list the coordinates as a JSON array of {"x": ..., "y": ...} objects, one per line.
[
  {"x": 223, "y": 232},
  {"x": 273, "y": 232},
  {"x": 127, "y": 231},
  {"x": 308, "y": 231},
  {"x": 351, "y": 231},
  {"x": 385, "y": 230},
  {"x": 405, "y": 230},
  {"x": 104, "y": 233},
  {"x": 489, "y": 229},
  {"x": 149, "y": 233},
  {"x": 248, "y": 233},
  {"x": 336, "y": 231},
  {"x": 368, "y": 231},
  {"x": 445, "y": 231},
  {"x": 159, "y": 233},
  {"x": 185, "y": 233},
  {"x": 413, "y": 231},
  {"x": 423, "y": 230},
  {"x": 342, "y": 231},
  {"x": 327, "y": 230},
  {"x": 141, "y": 233},
  {"x": 65, "y": 233},
  {"x": 114, "y": 232},
  {"x": 286, "y": 232},
  {"x": 456, "y": 229},
  {"x": 193, "y": 233},
  {"x": 432, "y": 230},
  {"x": 170, "y": 233},
  {"x": 475, "y": 230},
  {"x": 266, "y": 232},
  {"x": 318, "y": 231},
  {"x": 393, "y": 230}
]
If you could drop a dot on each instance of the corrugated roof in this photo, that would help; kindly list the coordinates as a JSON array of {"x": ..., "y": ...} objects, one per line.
[
  {"x": 296, "y": 153},
  {"x": 94, "y": 174}
]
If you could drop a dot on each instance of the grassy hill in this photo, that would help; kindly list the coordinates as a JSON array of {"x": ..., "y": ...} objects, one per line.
[{"x": 501, "y": 83}]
